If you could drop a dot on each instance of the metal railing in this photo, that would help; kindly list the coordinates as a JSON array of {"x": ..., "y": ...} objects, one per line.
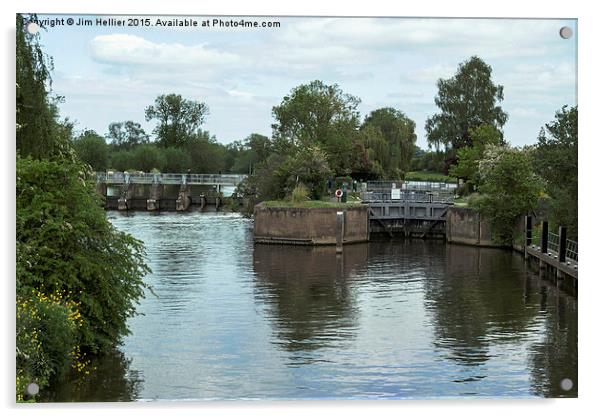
[
  {"x": 409, "y": 196},
  {"x": 168, "y": 178},
  {"x": 571, "y": 250},
  {"x": 553, "y": 241},
  {"x": 409, "y": 185}
]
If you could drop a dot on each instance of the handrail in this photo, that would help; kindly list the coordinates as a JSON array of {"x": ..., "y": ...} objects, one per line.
[{"x": 169, "y": 178}]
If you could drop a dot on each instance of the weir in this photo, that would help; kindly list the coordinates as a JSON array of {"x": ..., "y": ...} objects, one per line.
[{"x": 163, "y": 191}]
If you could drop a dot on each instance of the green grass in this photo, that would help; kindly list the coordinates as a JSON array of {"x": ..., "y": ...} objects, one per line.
[
  {"x": 307, "y": 204},
  {"x": 428, "y": 176}
]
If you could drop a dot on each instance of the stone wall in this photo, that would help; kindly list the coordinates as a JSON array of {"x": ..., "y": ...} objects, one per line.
[
  {"x": 308, "y": 226},
  {"x": 464, "y": 225}
]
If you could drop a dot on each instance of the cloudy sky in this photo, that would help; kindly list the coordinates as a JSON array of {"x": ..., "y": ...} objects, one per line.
[{"x": 111, "y": 74}]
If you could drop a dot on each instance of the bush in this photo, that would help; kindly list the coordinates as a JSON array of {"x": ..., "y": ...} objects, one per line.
[
  {"x": 65, "y": 244},
  {"x": 300, "y": 194},
  {"x": 509, "y": 189},
  {"x": 46, "y": 337}
]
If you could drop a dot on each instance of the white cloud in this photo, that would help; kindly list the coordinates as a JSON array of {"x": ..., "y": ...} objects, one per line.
[{"x": 123, "y": 49}]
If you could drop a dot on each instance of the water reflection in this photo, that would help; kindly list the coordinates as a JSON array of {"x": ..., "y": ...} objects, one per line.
[
  {"x": 387, "y": 319},
  {"x": 111, "y": 379},
  {"x": 554, "y": 358},
  {"x": 309, "y": 295}
]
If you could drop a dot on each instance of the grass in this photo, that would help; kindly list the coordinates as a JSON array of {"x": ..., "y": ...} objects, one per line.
[
  {"x": 428, "y": 176},
  {"x": 307, "y": 204}
]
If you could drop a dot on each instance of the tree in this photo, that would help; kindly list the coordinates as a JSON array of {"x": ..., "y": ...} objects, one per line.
[
  {"x": 206, "y": 154},
  {"x": 309, "y": 167},
  {"x": 147, "y": 157},
  {"x": 509, "y": 188},
  {"x": 126, "y": 135},
  {"x": 177, "y": 118},
  {"x": 556, "y": 162},
  {"x": 469, "y": 156},
  {"x": 175, "y": 160},
  {"x": 317, "y": 114},
  {"x": 93, "y": 150},
  {"x": 467, "y": 100},
  {"x": 398, "y": 132},
  {"x": 38, "y": 132},
  {"x": 66, "y": 246}
]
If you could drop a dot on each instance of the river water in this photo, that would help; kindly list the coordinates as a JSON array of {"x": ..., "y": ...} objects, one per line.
[{"x": 387, "y": 319}]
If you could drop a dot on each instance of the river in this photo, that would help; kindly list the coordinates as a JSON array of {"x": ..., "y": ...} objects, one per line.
[{"x": 387, "y": 319}]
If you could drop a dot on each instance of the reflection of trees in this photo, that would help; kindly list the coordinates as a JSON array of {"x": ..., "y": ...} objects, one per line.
[
  {"x": 308, "y": 291},
  {"x": 112, "y": 380},
  {"x": 555, "y": 357},
  {"x": 479, "y": 299}
]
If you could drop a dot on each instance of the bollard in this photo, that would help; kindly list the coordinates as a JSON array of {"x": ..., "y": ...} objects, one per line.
[{"x": 340, "y": 230}]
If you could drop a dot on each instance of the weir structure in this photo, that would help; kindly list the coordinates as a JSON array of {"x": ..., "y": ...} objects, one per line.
[{"x": 163, "y": 191}]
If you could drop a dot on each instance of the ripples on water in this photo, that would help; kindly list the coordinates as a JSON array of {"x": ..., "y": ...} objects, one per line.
[{"x": 405, "y": 319}]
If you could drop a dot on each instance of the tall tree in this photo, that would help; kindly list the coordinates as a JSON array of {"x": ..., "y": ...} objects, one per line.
[
  {"x": 126, "y": 135},
  {"x": 317, "y": 114},
  {"x": 398, "y": 132},
  {"x": 467, "y": 100},
  {"x": 177, "y": 118},
  {"x": 38, "y": 132},
  {"x": 556, "y": 162}
]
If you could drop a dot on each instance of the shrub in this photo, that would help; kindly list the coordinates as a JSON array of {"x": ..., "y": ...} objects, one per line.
[{"x": 300, "y": 194}]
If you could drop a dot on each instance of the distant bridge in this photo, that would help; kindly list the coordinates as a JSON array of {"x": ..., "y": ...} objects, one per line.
[
  {"x": 163, "y": 191},
  {"x": 169, "y": 178}
]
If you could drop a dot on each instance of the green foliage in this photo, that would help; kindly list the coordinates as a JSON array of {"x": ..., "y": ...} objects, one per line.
[
  {"x": 467, "y": 100},
  {"x": 317, "y": 114},
  {"x": 309, "y": 167},
  {"x": 556, "y": 162},
  {"x": 469, "y": 156},
  {"x": 126, "y": 135},
  {"x": 121, "y": 160},
  {"x": 146, "y": 157},
  {"x": 93, "y": 150},
  {"x": 38, "y": 132},
  {"x": 429, "y": 161},
  {"x": 299, "y": 194},
  {"x": 206, "y": 154},
  {"x": 509, "y": 188},
  {"x": 175, "y": 160},
  {"x": 177, "y": 118},
  {"x": 65, "y": 243},
  {"x": 394, "y": 149}
]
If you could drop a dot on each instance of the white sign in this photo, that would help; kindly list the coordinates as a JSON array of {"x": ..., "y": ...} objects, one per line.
[{"x": 395, "y": 194}]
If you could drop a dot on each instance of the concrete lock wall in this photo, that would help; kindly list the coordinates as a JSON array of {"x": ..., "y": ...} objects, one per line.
[
  {"x": 464, "y": 225},
  {"x": 309, "y": 226}
]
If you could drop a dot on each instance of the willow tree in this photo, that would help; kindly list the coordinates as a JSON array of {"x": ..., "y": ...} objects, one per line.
[
  {"x": 467, "y": 100},
  {"x": 398, "y": 133},
  {"x": 39, "y": 135}
]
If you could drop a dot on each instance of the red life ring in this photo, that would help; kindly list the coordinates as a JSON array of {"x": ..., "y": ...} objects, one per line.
[{"x": 338, "y": 193}]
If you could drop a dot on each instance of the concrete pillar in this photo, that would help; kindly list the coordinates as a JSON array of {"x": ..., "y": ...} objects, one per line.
[
  {"x": 126, "y": 195},
  {"x": 340, "y": 230},
  {"x": 183, "y": 201},
  {"x": 154, "y": 199}
]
